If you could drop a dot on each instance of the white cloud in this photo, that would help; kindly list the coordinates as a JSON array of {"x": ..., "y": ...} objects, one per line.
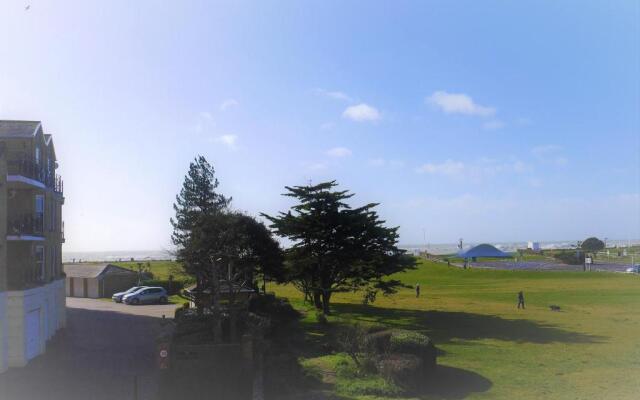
[
  {"x": 459, "y": 103},
  {"x": 550, "y": 154},
  {"x": 448, "y": 168},
  {"x": 381, "y": 162},
  {"x": 317, "y": 166},
  {"x": 206, "y": 115},
  {"x": 327, "y": 126},
  {"x": 361, "y": 112},
  {"x": 336, "y": 95},
  {"x": 228, "y": 103},
  {"x": 228, "y": 140},
  {"x": 493, "y": 125},
  {"x": 339, "y": 152},
  {"x": 476, "y": 172}
]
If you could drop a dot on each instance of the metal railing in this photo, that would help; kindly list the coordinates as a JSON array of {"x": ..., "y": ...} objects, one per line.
[
  {"x": 28, "y": 224},
  {"x": 35, "y": 171}
]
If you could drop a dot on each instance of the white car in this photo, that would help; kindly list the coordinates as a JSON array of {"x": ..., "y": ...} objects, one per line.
[
  {"x": 633, "y": 270},
  {"x": 117, "y": 297}
]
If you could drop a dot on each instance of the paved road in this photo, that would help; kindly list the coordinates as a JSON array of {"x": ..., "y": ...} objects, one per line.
[{"x": 105, "y": 349}]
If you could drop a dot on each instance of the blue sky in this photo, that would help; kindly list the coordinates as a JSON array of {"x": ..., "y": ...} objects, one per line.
[{"x": 491, "y": 121}]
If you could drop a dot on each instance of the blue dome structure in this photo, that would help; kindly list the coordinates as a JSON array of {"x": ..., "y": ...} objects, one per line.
[{"x": 483, "y": 250}]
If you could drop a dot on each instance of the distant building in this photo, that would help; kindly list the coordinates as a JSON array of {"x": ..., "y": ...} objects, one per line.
[
  {"x": 32, "y": 298},
  {"x": 535, "y": 246},
  {"x": 98, "y": 280}
]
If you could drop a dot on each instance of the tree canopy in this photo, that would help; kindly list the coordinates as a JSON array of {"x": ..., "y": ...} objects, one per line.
[
  {"x": 337, "y": 247},
  {"x": 592, "y": 244}
]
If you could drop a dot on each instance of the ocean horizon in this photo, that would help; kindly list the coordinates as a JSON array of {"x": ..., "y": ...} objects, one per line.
[{"x": 435, "y": 248}]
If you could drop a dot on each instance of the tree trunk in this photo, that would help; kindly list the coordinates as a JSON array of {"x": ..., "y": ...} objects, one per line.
[
  {"x": 326, "y": 297},
  {"x": 215, "y": 299},
  {"x": 317, "y": 299}
]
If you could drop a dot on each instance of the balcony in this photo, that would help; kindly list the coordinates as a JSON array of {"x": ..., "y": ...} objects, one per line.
[
  {"x": 31, "y": 173},
  {"x": 26, "y": 227}
]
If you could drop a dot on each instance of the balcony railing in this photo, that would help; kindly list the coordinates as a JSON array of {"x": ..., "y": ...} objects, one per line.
[
  {"x": 29, "y": 224},
  {"x": 35, "y": 171}
]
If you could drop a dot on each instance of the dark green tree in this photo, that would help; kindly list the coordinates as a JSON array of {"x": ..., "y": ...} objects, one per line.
[
  {"x": 592, "y": 245},
  {"x": 197, "y": 201},
  {"x": 235, "y": 246},
  {"x": 336, "y": 247}
]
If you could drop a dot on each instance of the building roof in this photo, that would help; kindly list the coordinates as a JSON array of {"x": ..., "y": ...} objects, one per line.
[
  {"x": 483, "y": 250},
  {"x": 19, "y": 129},
  {"x": 94, "y": 270}
]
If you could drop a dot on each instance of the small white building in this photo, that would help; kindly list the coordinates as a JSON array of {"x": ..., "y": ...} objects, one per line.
[
  {"x": 97, "y": 280},
  {"x": 534, "y": 246}
]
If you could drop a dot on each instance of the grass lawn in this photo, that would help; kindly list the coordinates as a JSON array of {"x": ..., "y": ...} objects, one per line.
[
  {"x": 491, "y": 350},
  {"x": 160, "y": 269}
]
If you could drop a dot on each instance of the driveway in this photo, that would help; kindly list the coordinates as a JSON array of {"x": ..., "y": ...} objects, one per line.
[{"x": 107, "y": 351}]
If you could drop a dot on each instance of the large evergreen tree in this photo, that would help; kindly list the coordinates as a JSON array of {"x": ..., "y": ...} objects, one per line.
[
  {"x": 197, "y": 202},
  {"x": 336, "y": 247}
]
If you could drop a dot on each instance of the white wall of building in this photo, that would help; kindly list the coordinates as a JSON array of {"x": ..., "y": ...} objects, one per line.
[{"x": 33, "y": 316}]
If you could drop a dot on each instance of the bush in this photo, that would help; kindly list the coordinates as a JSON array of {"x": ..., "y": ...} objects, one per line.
[
  {"x": 404, "y": 370},
  {"x": 570, "y": 257},
  {"x": 277, "y": 309},
  {"x": 414, "y": 343}
]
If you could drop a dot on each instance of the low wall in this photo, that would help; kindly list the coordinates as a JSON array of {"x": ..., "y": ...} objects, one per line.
[{"x": 48, "y": 301}]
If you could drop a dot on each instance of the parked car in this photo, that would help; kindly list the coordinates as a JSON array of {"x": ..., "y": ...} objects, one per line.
[
  {"x": 147, "y": 295},
  {"x": 633, "y": 270},
  {"x": 117, "y": 297}
]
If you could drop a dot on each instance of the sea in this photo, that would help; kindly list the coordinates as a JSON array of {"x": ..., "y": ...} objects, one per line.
[{"x": 437, "y": 249}]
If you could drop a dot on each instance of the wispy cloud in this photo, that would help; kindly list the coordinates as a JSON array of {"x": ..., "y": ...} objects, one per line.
[
  {"x": 448, "y": 168},
  {"x": 319, "y": 166},
  {"x": 228, "y": 103},
  {"x": 459, "y": 103},
  {"x": 381, "y": 162},
  {"x": 327, "y": 126},
  {"x": 339, "y": 152},
  {"x": 477, "y": 171},
  {"x": 550, "y": 154},
  {"x": 361, "y": 113},
  {"x": 335, "y": 95},
  {"x": 493, "y": 125},
  {"x": 228, "y": 140}
]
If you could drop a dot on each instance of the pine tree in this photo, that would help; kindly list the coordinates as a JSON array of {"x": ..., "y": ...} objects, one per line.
[
  {"x": 197, "y": 201},
  {"x": 336, "y": 247}
]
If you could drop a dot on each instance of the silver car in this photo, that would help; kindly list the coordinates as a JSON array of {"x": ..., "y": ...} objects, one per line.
[
  {"x": 147, "y": 295},
  {"x": 633, "y": 270},
  {"x": 117, "y": 297}
]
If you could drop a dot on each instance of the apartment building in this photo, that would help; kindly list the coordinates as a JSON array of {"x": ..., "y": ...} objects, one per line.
[{"x": 32, "y": 285}]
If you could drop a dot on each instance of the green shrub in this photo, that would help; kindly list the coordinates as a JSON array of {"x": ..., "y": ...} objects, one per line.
[
  {"x": 277, "y": 309},
  {"x": 570, "y": 257},
  {"x": 404, "y": 370},
  {"x": 410, "y": 342}
]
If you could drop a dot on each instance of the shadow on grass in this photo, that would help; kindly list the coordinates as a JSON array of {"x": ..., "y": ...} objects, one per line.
[
  {"x": 445, "y": 326},
  {"x": 454, "y": 383}
]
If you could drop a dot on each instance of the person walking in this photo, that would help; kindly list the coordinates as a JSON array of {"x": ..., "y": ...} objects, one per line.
[
  {"x": 417, "y": 290},
  {"x": 520, "y": 299}
]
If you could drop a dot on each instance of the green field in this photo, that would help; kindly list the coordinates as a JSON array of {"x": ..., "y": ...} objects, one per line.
[{"x": 588, "y": 350}]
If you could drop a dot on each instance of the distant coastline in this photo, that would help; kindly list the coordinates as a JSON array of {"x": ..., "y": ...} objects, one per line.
[
  {"x": 436, "y": 248},
  {"x": 113, "y": 256}
]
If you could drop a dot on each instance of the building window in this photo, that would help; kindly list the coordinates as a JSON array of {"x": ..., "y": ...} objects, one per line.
[
  {"x": 40, "y": 262},
  {"x": 39, "y": 214},
  {"x": 38, "y": 155}
]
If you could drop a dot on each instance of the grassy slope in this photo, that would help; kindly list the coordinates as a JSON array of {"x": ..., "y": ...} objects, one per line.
[{"x": 588, "y": 350}]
